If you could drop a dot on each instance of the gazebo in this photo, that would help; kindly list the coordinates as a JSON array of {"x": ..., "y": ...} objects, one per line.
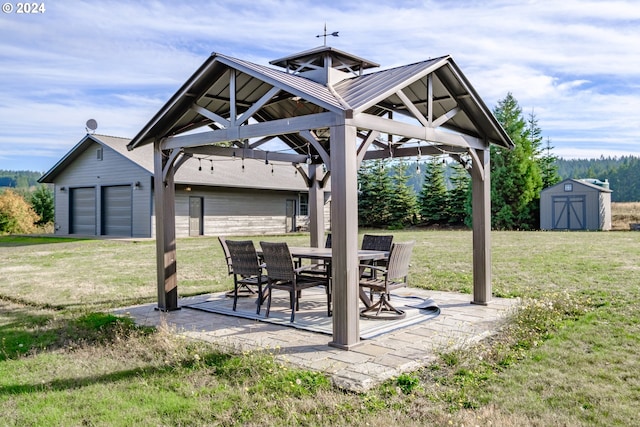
[{"x": 330, "y": 111}]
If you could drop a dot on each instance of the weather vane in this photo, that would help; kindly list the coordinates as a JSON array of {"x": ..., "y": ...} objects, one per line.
[{"x": 334, "y": 34}]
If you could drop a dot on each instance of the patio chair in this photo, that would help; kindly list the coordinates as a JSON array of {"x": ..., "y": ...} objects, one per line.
[
  {"x": 322, "y": 267},
  {"x": 227, "y": 256},
  {"x": 389, "y": 277},
  {"x": 282, "y": 275},
  {"x": 374, "y": 242},
  {"x": 247, "y": 271}
]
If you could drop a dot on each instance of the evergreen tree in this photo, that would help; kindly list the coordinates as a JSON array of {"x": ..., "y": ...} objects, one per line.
[
  {"x": 433, "y": 195},
  {"x": 374, "y": 199},
  {"x": 515, "y": 175},
  {"x": 459, "y": 196},
  {"x": 549, "y": 167},
  {"x": 403, "y": 202},
  {"x": 42, "y": 203}
]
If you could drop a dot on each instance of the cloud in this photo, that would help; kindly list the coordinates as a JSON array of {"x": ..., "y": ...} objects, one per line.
[{"x": 574, "y": 63}]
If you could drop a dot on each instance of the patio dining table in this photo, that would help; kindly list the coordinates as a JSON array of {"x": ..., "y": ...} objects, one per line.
[{"x": 325, "y": 254}]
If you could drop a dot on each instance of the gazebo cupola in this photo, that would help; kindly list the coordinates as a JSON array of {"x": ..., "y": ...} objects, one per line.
[{"x": 324, "y": 65}]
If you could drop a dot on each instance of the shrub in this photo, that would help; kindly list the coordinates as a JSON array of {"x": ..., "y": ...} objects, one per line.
[
  {"x": 16, "y": 215},
  {"x": 42, "y": 202}
]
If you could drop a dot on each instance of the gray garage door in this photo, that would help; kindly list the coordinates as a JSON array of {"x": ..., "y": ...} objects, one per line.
[
  {"x": 116, "y": 211},
  {"x": 83, "y": 211},
  {"x": 569, "y": 212}
]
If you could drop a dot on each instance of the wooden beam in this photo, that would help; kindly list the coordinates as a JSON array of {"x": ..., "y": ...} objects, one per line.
[
  {"x": 413, "y": 109},
  {"x": 309, "y": 136},
  {"x": 164, "y": 199},
  {"x": 446, "y": 117},
  {"x": 248, "y": 153},
  {"x": 364, "y": 146},
  {"x": 254, "y": 130},
  {"x": 257, "y": 105},
  {"x": 368, "y": 121},
  {"x": 427, "y": 150},
  {"x": 344, "y": 240},
  {"x": 210, "y": 115},
  {"x": 233, "y": 109},
  {"x": 316, "y": 207},
  {"x": 481, "y": 218}
]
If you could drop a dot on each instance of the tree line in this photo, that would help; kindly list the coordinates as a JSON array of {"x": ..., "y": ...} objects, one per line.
[
  {"x": 623, "y": 174},
  {"x": 392, "y": 195},
  {"x": 444, "y": 198}
]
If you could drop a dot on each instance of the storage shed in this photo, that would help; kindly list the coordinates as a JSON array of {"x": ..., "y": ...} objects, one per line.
[{"x": 576, "y": 204}]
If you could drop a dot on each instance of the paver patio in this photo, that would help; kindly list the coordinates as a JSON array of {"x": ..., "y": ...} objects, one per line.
[{"x": 375, "y": 360}]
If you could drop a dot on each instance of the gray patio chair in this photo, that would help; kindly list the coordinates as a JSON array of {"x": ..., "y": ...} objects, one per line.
[
  {"x": 389, "y": 277},
  {"x": 247, "y": 271},
  {"x": 282, "y": 275}
]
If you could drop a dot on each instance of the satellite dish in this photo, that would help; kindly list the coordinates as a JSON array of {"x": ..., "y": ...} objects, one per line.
[{"x": 92, "y": 125}]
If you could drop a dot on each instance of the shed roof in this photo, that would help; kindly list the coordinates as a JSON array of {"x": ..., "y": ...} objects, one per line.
[{"x": 586, "y": 183}]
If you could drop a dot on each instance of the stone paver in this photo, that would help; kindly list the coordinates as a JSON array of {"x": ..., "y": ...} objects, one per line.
[{"x": 375, "y": 360}]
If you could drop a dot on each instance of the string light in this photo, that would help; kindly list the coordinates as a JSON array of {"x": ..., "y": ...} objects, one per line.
[
  {"x": 211, "y": 165},
  {"x": 199, "y": 164}
]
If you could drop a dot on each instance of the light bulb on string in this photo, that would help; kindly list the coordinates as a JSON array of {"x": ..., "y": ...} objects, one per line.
[
  {"x": 211, "y": 165},
  {"x": 199, "y": 164}
]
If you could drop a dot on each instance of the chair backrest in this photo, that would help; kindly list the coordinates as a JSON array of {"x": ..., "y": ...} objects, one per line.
[
  {"x": 374, "y": 242},
  {"x": 243, "y": 257},
  {"x": 327, "y": 243},
  {"x": 227, "y": 256},
  {"x": 278, "y": 260},
  {"x": 399, "y": 258}
]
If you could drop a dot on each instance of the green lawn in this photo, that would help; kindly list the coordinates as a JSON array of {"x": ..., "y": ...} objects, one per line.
[{"x": 568, "y": 357}]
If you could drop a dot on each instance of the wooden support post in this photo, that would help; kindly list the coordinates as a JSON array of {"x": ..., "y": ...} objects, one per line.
[
  {"x": 481, "y": 206},
  {"x": 164, "y": 199},
  {"x": 344, "y": 237},
  {"x": 316, "y": 208}
]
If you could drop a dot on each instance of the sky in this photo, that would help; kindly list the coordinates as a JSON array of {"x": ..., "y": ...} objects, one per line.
[{"x": 574, "y": 64}]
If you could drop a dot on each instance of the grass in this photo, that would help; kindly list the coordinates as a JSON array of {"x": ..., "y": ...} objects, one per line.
[{"x": 567, "y": 357}]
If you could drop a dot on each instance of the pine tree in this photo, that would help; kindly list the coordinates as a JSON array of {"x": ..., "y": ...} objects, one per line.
[
  {"x": 549, "y": 167},
  {"x": 374, "y": 197},
  {"x": 403, "y": 202},
  {"x": 515, "y": 175},
  {"x": 459, "y": 196},
  {"x": 433, "y": 195}
]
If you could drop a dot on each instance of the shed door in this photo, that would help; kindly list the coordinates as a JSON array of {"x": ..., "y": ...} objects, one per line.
[
  {"x": 83, "y": 211},
  {"x": 117, "y": 211},
  {"x": 569, "y": 212}
]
